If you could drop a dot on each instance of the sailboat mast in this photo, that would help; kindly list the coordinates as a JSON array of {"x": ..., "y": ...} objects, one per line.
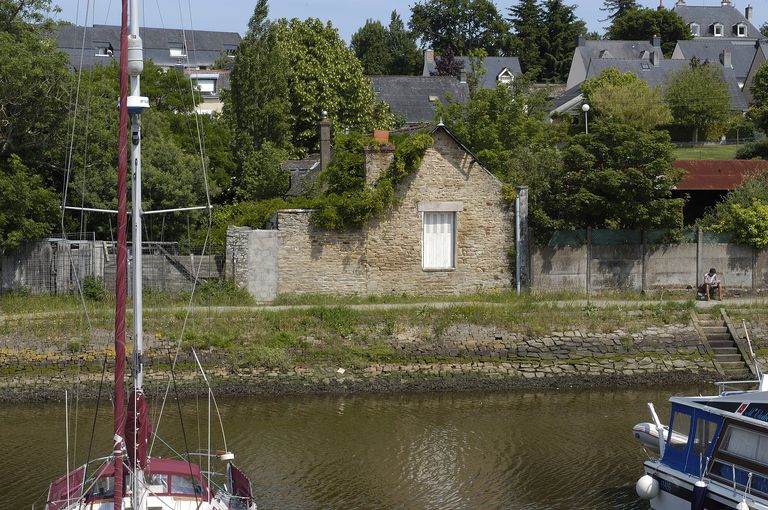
[
  {"x": 122, "y": 263},
  {"x": 136, "y": 105}
]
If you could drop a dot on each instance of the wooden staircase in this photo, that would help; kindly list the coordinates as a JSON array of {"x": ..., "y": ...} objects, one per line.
[{"x": 727, "y": 353}]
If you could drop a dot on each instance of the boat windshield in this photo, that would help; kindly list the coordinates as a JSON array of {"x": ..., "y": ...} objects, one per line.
[{"x": 184, "y": 484}]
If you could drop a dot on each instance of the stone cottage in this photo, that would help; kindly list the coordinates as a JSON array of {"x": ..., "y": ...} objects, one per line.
[{"x": 451, "y": 232}]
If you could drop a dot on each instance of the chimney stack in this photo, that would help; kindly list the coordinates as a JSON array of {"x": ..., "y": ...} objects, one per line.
[
  {"x": 680, "y": 2},
  {"x": 725, "y": 3},
  {"x": 661, "y": 5},
  {"x": 656, "y": 41},
  {"x": 725, "y": 58},
  {"x": 325, "y": 141},
  {"x": 655, "y": 58},
  {"x": 581, "y": 40},
  {"x": 748, "y": 13}
]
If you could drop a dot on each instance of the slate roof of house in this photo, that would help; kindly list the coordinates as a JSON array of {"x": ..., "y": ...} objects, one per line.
[
  {"x": 493, "y": 68},
  {"x": 742, "y": 54},
  {"x": 303, "y": 173},
  {"x": 707, "y": 15},
  {"x": 706, "y": 175},
  {"x": 203, "y": 46},
  {"x": 657, "y": 75},
  {"x": 416, "y": 97},
  {"x": 607, "y": 49}
]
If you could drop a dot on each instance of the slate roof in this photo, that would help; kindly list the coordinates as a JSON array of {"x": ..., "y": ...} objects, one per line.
[
  {"x": 706, "y": 175},
  {"x": 657, "y": 75},
  {"x": 203, "y": 46},
  {"x": 705, "y": 16},
  {"x": 411, "y": 95},
  {"x": 742, "y": 54},
  {"x": 303, "y": 173},
  {"x": 606, "y": 49},
  {"x": 493, "y": 67}
]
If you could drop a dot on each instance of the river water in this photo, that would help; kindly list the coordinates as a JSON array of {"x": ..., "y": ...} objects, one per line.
[{"x": 507, "y": 450}]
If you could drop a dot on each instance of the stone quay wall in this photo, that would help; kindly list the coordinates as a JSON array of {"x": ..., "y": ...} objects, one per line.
[{"x": 464, "y": 357}]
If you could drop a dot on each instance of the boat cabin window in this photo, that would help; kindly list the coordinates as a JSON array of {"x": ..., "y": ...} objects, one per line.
[
  {"x": 748, "y": 444},
  {"x": 181, "y": 484},
  {"x": 705, "y": 433},
  {"x": 681, "y": 427},
  {"x": 159, "y": 482}
]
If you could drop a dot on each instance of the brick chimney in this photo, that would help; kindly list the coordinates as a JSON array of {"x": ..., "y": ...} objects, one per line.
[
  {"x": 725, "y": 59},
  {"x": 377, "y": 157},
  {"x": 748, "y": 13},
  {"x": 325, "y": 141}
]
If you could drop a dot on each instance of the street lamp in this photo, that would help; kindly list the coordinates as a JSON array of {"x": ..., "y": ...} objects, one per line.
[{"x": 585, "y": 109}]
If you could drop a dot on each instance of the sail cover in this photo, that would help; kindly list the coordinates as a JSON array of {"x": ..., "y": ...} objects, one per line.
[
  {"x": 240, "y": 486},
  {"x": 66, "y": 490},
  {"x": 138, "y": 429}
]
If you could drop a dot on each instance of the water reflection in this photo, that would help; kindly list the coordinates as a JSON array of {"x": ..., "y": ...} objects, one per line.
[{"x": 548, "y": 450}]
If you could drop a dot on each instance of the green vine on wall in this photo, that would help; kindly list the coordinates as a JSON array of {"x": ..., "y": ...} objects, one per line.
[{"x": 352, "y": 208}]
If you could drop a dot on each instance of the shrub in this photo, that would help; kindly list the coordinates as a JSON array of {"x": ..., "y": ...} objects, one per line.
[
  {"x": 221, "y": 292},
  {"x": 93, "y": 289}
]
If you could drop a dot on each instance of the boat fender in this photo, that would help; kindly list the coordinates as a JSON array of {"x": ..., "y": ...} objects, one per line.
[
  {"x": 699, "y": 495},
  {"x": 647, "y": 487},
  {"x": 742, "y": 506}
]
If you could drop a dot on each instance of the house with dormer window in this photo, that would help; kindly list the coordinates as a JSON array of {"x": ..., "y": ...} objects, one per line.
[
  {"x": 497, "y": 69},
  {"x": 722, "y": 21}
]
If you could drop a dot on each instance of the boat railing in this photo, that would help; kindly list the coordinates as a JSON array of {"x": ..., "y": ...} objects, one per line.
[{"x": 732, "y": 387}]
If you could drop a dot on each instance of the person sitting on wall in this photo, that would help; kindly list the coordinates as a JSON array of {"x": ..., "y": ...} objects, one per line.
[{"x": 710, "y": 285}]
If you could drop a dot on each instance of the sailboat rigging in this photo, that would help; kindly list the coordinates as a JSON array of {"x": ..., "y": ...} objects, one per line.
[{"x": 129, "y": 477}]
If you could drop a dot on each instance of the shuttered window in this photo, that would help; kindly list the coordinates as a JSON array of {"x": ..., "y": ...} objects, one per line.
[{"x": 438, "y": 243}]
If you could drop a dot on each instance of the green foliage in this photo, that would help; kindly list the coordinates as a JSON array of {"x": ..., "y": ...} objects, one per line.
[
  {"x": 458, "y": 26},
  {"x": 698, "y": 97},
  {"x": 370, "y": 46},
  {"x": 254, "y": 214},
  {"x": 750, "y": 224},
  {"x": 93, "y": 289},
  {"x": 642, "y": 24},
  {"x": 617, "y": 8},
  {"x": 744, "y": 211},
  {"x": 351, "y": 207},
  {"x": 764, "y": 29},
  {"x": 616, "y": 177},
  {"x": 544, "y": 37},
  {"x": 261, "y": 175},
  {"x": 758, "y": 107},
  {"x": 627, "y": 99},
  {"x": 221, "y": 293},
  {"x": 28, "y": 209},
  {"x": 754, "y": 150},
  {"x": 406, "y": 56}
]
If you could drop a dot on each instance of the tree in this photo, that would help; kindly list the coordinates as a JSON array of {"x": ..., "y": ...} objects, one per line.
[
  {"x": 743, "y": 212},
  {"x": 617, "y": 8},
  {"x": 615, "y": 177},
  {"x": 627, "y": 99},
  {"x": 758, "y": 107},
  {"x": 387, "y": 50},
  {"x": 561, "y": 29},
  {"x": 698, "y": 98},
  {"x": 261, "y": 175},
  {"x": 642, "y": 24},
  {"x": 406, "y": 57},
  {"x": 29, "y": 209},
  {"x": 459, "y": 26},
  {"x": 526, "y": 21},
  {"x": 371, "y": 48},
  {"x": 764, "y": 29}
]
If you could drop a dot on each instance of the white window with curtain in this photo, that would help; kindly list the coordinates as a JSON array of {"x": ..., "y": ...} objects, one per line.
[{"x": 438, "y": 243}]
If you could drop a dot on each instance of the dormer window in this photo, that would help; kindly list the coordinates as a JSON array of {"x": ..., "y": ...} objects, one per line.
[
  {"x": 740, "y": 29},
  {"x": 104, "y": 49},
  {"x": 505, "y": 76},
  {"x": 178, "y": 51},
  {"x": 695, "y": 29},
  {"x": 717, "y": 29}
]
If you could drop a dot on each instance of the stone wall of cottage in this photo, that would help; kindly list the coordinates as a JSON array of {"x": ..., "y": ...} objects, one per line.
[{"x": 386, "y": 256}]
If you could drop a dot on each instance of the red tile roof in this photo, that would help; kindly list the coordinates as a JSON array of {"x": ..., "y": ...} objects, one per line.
[{"x": 716, "y": 175}]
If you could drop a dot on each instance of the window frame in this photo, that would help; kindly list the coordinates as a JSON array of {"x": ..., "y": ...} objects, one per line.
[
  {"x": 450, "y": 208},
  {"x": 718, "y": 29},
  {"x": 695, "y": 29}
]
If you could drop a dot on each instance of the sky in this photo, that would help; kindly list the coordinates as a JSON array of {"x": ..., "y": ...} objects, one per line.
[{"x": 346, "y": 15}]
